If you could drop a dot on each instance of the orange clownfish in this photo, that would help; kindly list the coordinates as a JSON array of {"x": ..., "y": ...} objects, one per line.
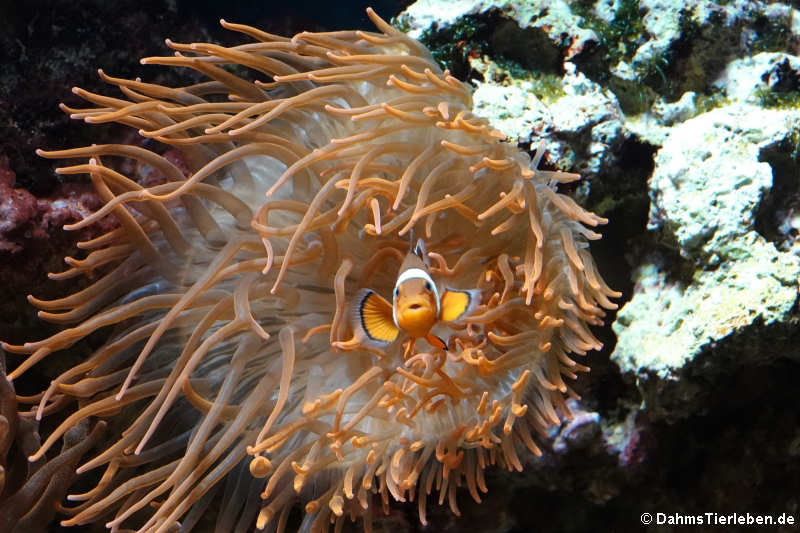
[{"x": 417, "y": 306}]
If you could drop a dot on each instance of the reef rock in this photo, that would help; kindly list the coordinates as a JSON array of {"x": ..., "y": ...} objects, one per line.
[{"x": 683, "y": 119}]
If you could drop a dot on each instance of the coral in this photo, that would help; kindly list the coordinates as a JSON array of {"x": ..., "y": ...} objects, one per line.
[{"x": 24, "y": 217}]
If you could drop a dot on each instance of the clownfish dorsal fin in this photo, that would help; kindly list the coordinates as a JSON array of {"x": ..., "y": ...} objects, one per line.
[
  {"x": 372, "y": 319},
  {"x": 412, "y": 260},
  {"x": 457, "y": 304},
  {"x": 417, "y": 257},
  {"x": 419, "y": 250}
]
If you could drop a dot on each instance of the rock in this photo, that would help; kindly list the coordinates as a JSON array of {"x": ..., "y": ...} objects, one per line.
[
  {"x": 750, "y": 79},
  {"x": 712, "y": 193},
  {"x": 668, "y": 323},
  {"x": 708, "y": 181},
  {"x": 683, "y": 119},
  {"x": 670, "y": 113},
  {"x": 554, "y": 17}
]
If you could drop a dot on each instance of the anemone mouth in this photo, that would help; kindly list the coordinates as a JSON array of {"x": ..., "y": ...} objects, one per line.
[{"x": 234, "y": 368}]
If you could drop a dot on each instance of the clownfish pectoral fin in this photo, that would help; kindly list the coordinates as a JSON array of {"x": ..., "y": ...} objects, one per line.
[
  {"x": 372, "y": 319},
  {"x": 457, "y": 304},
  {"x": 435, "y": 341}
]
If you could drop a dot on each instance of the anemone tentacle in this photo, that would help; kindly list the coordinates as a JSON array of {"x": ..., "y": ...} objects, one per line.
[{"x": 232, "y": 366}]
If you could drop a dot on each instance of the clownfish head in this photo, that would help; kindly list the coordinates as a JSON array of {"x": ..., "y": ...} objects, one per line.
[{"x": 415, "y": 302}]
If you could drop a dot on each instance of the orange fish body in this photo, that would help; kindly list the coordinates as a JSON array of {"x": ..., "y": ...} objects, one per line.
[{"x": 417, "y": 306}]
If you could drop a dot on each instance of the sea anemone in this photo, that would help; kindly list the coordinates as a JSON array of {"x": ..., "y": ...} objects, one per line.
[
  {"x": 232, "y": 367},
  {"x": 29, "y": 490}
]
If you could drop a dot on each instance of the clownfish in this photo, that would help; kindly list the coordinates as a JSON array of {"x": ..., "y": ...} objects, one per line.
[{"x": 417, "y": 306}]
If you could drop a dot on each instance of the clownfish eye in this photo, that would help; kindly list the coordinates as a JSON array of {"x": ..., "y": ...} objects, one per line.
[
  {"x": 396, "y": 292},
  {"x": 428, "y": 286}
]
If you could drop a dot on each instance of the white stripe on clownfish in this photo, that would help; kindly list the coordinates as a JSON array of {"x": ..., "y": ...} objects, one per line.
[{"x": 414, "y": 273}]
